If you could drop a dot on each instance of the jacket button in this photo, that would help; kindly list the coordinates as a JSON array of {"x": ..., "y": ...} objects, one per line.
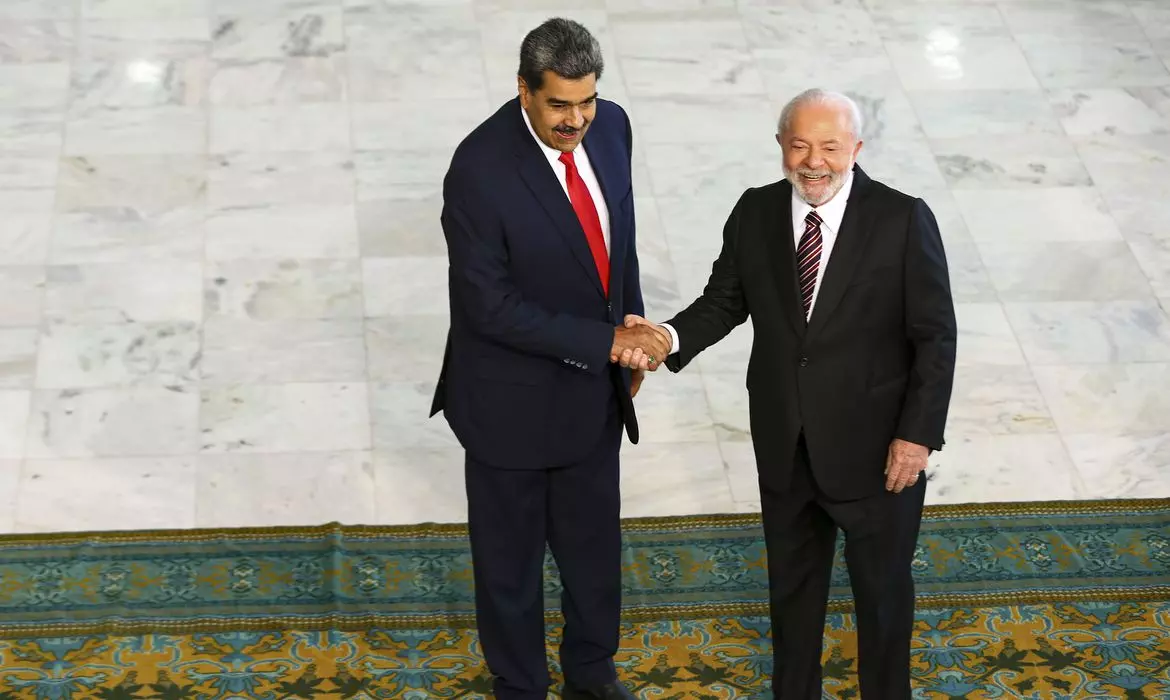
[{"x": 803, "y": 361}]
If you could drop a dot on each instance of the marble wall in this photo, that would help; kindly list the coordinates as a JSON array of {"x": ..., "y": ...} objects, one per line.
[{"x": 222, "y": 279}]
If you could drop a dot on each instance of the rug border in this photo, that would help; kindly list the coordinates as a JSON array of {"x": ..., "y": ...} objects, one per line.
[{"x": 637, "y": 524}]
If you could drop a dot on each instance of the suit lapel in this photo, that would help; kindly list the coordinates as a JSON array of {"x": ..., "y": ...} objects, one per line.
[
  {"x": 610, "y": 190},
  {"x": 846, "y": 253},
  {"x": 778, "y": 225},
  {"x": 542, "y": 181}
]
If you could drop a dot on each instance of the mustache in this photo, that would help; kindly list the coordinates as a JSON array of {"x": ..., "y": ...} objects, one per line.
[
  {"x": 805, "y": 172},
  {"x": 565, "y": 130}
]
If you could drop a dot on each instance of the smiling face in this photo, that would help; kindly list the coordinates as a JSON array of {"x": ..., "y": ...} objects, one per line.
[
  {"x": 819, "y": 150},
  {"x": 561, "y": 109}
]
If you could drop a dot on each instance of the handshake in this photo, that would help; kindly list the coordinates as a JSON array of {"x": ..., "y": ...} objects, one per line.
[{"x": 640, "y": 344}]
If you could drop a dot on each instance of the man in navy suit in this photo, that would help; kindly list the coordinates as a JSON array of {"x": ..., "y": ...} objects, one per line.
[{"x": 538, "y": 215}]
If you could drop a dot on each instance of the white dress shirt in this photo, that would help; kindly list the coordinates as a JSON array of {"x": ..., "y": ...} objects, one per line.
[
  {"x": 584, "y": 168},
  {"x": 832, "y": 212}
]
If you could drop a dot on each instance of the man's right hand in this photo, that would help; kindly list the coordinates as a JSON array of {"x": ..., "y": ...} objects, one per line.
[{"x": 640, "y": 344}]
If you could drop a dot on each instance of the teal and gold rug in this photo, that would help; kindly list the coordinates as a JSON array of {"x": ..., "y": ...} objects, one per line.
[{"x": 1063, "y": 600}]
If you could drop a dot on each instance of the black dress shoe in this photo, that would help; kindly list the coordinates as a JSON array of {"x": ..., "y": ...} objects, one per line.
[{"x": 609, "y": 691}]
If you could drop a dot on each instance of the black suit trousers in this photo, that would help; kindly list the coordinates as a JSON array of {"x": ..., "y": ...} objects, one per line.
[
  {"x": 576, "y": 510},
  {"x": 800, "y": 532}
]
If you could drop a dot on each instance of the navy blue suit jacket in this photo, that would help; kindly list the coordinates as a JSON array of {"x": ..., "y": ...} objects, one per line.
[{"x": 526, "y": 380}]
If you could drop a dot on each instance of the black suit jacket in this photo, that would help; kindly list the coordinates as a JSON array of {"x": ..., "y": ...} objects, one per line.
[
  {"x": 875, "y": 361},
  {"x": 526, "y": 380}
]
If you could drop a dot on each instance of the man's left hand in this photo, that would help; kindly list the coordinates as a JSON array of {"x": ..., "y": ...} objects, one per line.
[
  {"x": 904, "y": 464},
  {"x": 636, "y": 377}
]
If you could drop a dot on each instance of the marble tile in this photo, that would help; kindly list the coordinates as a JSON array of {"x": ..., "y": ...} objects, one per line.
[
  {"x": 305, "y": 231},
  {"x": 996, "y": 400},
  {"x": 948, "y": 114},
  {"x": 400, "y": 415},
  {"x": 300, "y": 127},
  {"x": 133, "y": 8},
  {"x": 665, "y": 479},
  {"x": 33, "y": 86},
  {"x": 1002, "y": 468},
  {"x": 985, "y": 336},
  {"x": 970, "y": 281},
  {"x": 14, "y": 417},
  {"x": 1070, "y": 21},
  {"x": 743, "y": 474},
  {"x": 1127, "y": 164},
  {"x": 951, "y": 223},
  {"x": 243, "y": 180},
  {"x": 21, "y": 295},
  {"x": 9, "y": 479},
  {"x": 664, "y": 54},
  {"x": 281, "y": 290},
  {"x": 138, "y": 83},
  {"x": 727, "y": 395},
  {"x": 150, "y": 40},
  {"x": 238, "y": 351},
  {"x": 18, "y": 357},
  {"x": 687, "y": 119},
  {"x": 1037, "y": 214},
  {"x": 418, "y": 50},
  {"x": 122, "y": 355},
  {"x": 810, "y": 27},
  {"x": 902, "y": 22},
  {"x": 786, "y": 71},
  {"x": 655, "y": 265},
  {"x": 1135, "y": 110},
  {"x": 405, "y": 285},
  {"x": 35, "y": 41},
  {"x": 137, "y": 131},
  {"x": 113, "y": 422},
  {"x": 406, "y": 348},
  {"x": 269, "y": 30},
  {"x": 31, "y": 133},
  {"x": 673, "y": 408},
  {"x": 416, "y": 125},
  {"x": 886, "y": 110},
  {"x": 143, "y": 292},
  {"x": 1095, "y": 64},
  {"x": 299, "y": 417},
  {"x": 41, "y": 9},
  {"x": 148, "y": 184},
  {"x": 25, "y": 201},
  {"x": 125, "y": 234},
  {"x": 394, "y": 174},
  {"x": 715, "y": 175},
  {"x": 1153, "y": 255},
  {"x": 1064, "y": 271},
  {"x": 420, "y": 485},
  {"x": 1122, "y": 466},
  {"x": 24, "y": 238},
  {"x": 1082, "y": 332},
  {"x": 903, "y": 163},
  {"x": 401, "y": 227},
  {"x": 1010, "y": 161},
  {"x": 1117, "y": 399},
  {"x": 727, "y": 357},
  {"x": 300, "y": 80},
  {"x": 297, "y": 489},
  {"x": 945, "y": 61},
  {"x": 28, "y": 172},
  {"x": 120, "y": 494}
]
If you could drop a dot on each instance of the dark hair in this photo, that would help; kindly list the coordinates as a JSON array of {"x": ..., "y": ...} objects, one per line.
[{"x": 562, "y": 46}]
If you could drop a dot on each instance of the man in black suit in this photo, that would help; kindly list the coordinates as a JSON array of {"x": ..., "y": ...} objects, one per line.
[
  {"x": 539, "y": 220},
  {"x": 846, "y": 283}
]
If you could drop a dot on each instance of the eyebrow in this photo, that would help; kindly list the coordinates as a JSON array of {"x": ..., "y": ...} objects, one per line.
[{"x": 559, "y": 101}]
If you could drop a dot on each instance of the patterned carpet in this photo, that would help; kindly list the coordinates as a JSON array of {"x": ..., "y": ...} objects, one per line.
[{"x": 1063, "y": 600}]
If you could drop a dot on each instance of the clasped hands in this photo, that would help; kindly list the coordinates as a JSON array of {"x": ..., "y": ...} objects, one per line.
[{"x": 639, "y": 344}]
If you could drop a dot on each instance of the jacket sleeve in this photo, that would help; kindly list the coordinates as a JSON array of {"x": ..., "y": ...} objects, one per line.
[
  {"x": 482, "y": 290},
  {"x": 722, "y": 305},
  {"x": 632, "y": 285},
  {"x": 931, "y": 331}
]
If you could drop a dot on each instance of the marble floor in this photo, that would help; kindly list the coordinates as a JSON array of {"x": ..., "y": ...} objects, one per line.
[{"x": 222, "y": 295}]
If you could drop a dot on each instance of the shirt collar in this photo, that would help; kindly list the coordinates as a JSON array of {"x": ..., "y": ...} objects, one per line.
[
  {"x": 831, "y": 212},
  {"x": 551, "y": 153}
]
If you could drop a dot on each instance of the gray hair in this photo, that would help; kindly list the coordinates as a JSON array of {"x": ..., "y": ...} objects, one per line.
[
  {"x": 562, "y": 46},
  {"x": 825, "y": 97}
]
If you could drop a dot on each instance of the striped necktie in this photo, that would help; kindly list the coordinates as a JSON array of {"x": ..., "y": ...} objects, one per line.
[{"x": 808, "y": 259}]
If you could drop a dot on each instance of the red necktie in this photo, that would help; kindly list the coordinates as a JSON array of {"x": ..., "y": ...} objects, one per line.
[{"x": 587, "y": 215}]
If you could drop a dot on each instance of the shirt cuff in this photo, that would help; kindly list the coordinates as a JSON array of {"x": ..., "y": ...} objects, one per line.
[{"x": 673, "y": 337}]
